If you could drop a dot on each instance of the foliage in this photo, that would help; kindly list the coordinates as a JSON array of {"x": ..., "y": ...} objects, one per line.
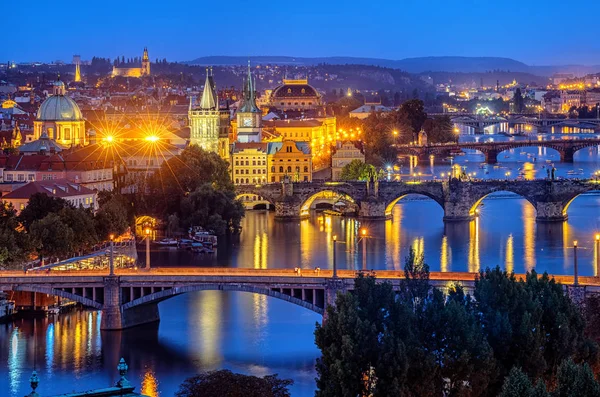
[
  {"x": 517, "y": 384},
  {"x": 212, "y": 209},
  {"x": 357, "y": 170},
  {"x": 379, "y": 139},
  {"x": 576, "y": 380},
  {"x": 440, "y": 130},
  {"x": 40, "y": 205},
  {"x": 15, "y": 245},
  {"x": 112, "y": 216},
  {"x": 227, "y": 384},
  {"x": 412, "y": 114},
  {"x": 518, "y": 101},
  {"x": 51, "y": 236}
]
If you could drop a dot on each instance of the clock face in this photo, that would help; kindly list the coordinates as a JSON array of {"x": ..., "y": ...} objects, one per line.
[{"x": 247, "y": 122}]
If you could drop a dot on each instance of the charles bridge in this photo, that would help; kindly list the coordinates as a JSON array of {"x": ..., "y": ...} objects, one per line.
[
  {"x": 130, "y": 297},
  {"x": 491, "y": 150},
  {"x": 458, "y": 199}
]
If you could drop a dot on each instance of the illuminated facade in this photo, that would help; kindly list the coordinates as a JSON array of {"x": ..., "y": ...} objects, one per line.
[
  {"x": 295, "y": 95},
  {"x": 60, "y": 118},
  {"x": 306, "y": 130},
  {"x": 344, "y": 153},
  {"x": 249, "y": 116},
  {"x": 289, "y": 158},
  {"x": 205, "y": 119},
  {"x": 249, "y": 163},
  {"x": 134, "y": 72}
]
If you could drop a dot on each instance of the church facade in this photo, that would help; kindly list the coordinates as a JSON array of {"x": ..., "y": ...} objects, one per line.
[
  {"x": 209, "y": 124},
  {"x": 249, "y": 116},
  {"x": 134, "y": 72}
]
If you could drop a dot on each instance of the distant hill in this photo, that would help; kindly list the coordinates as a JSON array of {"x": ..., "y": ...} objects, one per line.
[{"x": 411, "y": 65}]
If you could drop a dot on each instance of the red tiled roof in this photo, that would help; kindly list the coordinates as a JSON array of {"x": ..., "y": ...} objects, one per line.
[{"x": 55, "y": 188}]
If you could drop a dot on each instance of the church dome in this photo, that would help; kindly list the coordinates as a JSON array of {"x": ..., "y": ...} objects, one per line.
[
  {"x": 59, "y": 108},
  {"x": 294, "y": 89}
]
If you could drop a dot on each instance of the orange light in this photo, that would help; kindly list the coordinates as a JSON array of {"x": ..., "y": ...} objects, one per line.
[
  {"x": 334, "y": 237},
  {"x": 111, "y": 237},
  {"x": 363, "y": 231},
  {"x": 597, "y": 237},
  {"x": 575, "y": 243},
  {"x": 152, "y": 138},
  {"x": 147, "y": 231}
]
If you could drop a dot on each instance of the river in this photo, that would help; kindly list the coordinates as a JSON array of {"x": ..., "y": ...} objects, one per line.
[{"x": 260, "y": 335}]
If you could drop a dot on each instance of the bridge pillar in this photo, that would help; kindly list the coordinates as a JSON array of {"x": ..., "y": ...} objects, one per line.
[
  {"x": 112, "y": 318},
  {"x": 287, "y": 210},
  {"x": 372, "y": 210},
  {"x": 491, "y": 156},
  {"x": 566, "y": 155},
  {"x": 332, "y": 287},
  {"x": 550, "y": 212},
  {"x": 457, "y": 211}
]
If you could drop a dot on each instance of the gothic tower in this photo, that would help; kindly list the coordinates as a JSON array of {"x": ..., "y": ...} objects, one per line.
[
  {"x": 145, "y": 63},
  {"x": 205, "y": 118},
  {"x": 249, "y": 116},
  {"x": 77, "y": 73}
]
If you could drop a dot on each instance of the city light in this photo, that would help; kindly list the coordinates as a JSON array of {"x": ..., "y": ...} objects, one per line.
[
  {"x": 152, "y": 138},
  {"x": 109, "y": 138}
]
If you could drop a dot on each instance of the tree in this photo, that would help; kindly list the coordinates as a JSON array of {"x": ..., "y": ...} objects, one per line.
[
  {"x": 112, "y": 216},
  {"x": 576, "y": 380},
  {"x": 517, "y": 384},
  {"x": 440, "y": 130},
  {"x": 81, "y": 222},
  {"x": 227, "y": 384},
  {"x": 40, "y": 205},
  {"x": 15, "y": 246},
  {"x": 356, "y": 170},
  {"x": 412, "y": 113},
  {"x": 212, "y": 209},
  {"x": 518, "y": 101},
  {"x": 51, "y": 236}
]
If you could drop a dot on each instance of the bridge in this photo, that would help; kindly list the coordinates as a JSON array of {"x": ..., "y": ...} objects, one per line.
[
  {"x": 458, "y": 199},
  {"x": 131, "y": 297},
  {"x": 566, "y": 148},
  {"x": 543, "y": 125}
]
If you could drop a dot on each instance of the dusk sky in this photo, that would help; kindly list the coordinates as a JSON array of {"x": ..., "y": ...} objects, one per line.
[{"x": 533, "y": 31}]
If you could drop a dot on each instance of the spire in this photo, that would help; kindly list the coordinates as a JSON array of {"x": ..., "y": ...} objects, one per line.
[
  {"x": 190, "y": 108},
  {"x": 77, "y": 73},
  {"x": 249, "y": 96},
  {"x": 208, "y": 100}
]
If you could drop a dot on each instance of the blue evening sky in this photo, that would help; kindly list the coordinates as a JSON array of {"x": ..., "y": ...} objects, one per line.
[{"x": 537, "y": 32}]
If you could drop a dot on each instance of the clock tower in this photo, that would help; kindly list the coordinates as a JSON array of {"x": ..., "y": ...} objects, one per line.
[{"x": 249, "y": 116}]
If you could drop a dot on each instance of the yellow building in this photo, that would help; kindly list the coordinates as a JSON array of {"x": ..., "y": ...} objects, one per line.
[
  {"x": 306, "y": 130},
  {"x": 344, "y": 153},
  {"x": 61, "y": 119},
  {"x": 295, "y": 95},
  {"x": 249, "y": 163},
  {"x": 289, "y": 158},
  {"x": 134, "y": 72}
]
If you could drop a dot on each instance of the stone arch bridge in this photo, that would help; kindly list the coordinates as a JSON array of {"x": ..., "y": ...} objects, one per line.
[
  {"x": 458, "y": 199},
  {"x": 491, "y": 150}
]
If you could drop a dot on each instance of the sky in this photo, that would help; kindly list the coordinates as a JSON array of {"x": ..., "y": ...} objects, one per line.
[{"x": 532, "y": 31}]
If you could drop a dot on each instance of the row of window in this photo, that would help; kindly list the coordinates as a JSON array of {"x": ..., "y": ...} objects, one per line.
[
  {"x": 254, "y": 171},
  {"x": 254, "y": 162},
  {"x": 296, "y": 103},
  {"x": 242, "y": 181}
]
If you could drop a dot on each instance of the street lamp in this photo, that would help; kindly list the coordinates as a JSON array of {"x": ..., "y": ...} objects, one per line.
[
  {"x": 111, "y": 263},
  {"x": 363, "y": 233},
  {"x": 597, "y": 253},
  {"x": 575, "y": 266},
  {"x": 334, "y": 263},
  {"x": 147, "y": 232}
]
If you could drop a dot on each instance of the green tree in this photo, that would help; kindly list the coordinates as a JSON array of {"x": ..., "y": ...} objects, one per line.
[
  {"x": 576, "y": 380},
  {"x": 212, "y": 209},
  {"x": 440, "y": 130},
  {"x": 81, "y": 222},
  {"x": 51, "y": 236},
  {"x": 518, "y": 101},
  {"x": 517, "y": 384},
  {"x": 40, "y": 205},
  {"x": 412, "y": 113},
  {"x": 227, "y": 384},
  {"x": 16, "y": 246},
  {"x": 112, "y": 216},
  {"x": 356, "y": 170}
]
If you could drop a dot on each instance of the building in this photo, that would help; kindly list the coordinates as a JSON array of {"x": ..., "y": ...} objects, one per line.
[
  {"x": 307, "y": 130},
  {"x": 134, "y": 72},
  {"x": 295, "y": 95},
  {"x": 60, "y": 119},
  {"x": 343, "y": 154},
  {"x": 73, "y": 193},
  {"x": 289, "y": 158},
  {"x": 249, "y": 163},
  {"x": 249, "y": 116},
  {"x": 209, "y": 124},
  {"x": 368, "y": 108}
]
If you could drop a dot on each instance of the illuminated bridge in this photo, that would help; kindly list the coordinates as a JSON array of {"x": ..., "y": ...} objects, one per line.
[
  {"x": 491, "y": 150},
  {"x": 131, "y": 297},
  {"x": 459, "y": 200},
  {"x": 479, "y": 123}
]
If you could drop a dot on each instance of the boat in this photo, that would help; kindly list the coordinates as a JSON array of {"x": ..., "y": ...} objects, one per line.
[
  {"x": 7, "y": 307},
  {"x": 575, "y": 172},
  {"x": 200, "y": 235},
  {"x": 53, "y": 310},
  {"x": 167, "y": 242},
  {"x": 332, "y": 212}
]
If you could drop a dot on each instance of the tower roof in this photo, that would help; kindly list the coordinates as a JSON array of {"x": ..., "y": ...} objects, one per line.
[
  {"x": 209, "y": 97},
  {"x": 249, "y": 95}
]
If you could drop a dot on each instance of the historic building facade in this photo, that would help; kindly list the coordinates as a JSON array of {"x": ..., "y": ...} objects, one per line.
[
  {"x": 134, "y": 72},
  {"x": 295, "y": 95},
  {"x": 249, "y": 163},
  {"x": 289, "y": 158},
  {"x": 60, "y": 119},
  {"x": 344, "y": 153}
]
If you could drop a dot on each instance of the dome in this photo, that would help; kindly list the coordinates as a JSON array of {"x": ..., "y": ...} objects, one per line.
[
  {"x": 294, "y": 89},
  {"x": 59, "y": 108}
]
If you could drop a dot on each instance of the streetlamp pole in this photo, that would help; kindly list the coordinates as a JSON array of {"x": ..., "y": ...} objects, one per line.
[
  {"x": 111, "y": 263},
  {"x": 597, "y": 254},
  {"x": 147, "y": 248},
  {"x": 363, "y": 233},
  {"x": 334, "y": 263},
  {"x": 575, "y": 266}
]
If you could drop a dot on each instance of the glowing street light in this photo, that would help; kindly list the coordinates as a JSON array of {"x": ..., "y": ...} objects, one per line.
[
  {"x": 147, "y": 233},
  {"x": 111, "y": 263},
  {"x": 109, "y": 138},
  {"x": 152, "y": 138},
  {"x": 363, "y": 233},
  {"x": 334, "y": 263},
  {"x": 575, "y": 266}
]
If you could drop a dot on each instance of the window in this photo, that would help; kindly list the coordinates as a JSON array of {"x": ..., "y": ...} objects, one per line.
[
  {"x": 253, "y": 162},
  {"x": 247, "y": 162},
  {"x": 247, "y": 180},
  {"x": 254, "y": 170},
  {"x": 305, "y": 169},
  {"x": 297, "y": 169},
  {"x": 237, "y": 162},
  {"x": 9, "y": 177},
  {"x": 289, "y": 168},
  {"x": 237, "y": 171},
  {"x": 237, "y": 181},
  {"x": 272, "y": 179},
  {"x": 273, "y": 169},
  {"x": 264, "y": 162},
  {"x": 288, "y": 149},
  {"x": 31, "y": 177},
  {"x": 305, "y": 178},
  {"x": 21, "y": 177},
  {"x": 280, "y": 170}
]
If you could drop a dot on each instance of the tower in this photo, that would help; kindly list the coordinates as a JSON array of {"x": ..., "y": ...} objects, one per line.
[
  {"x": 77, "y": 73},
  {"x": 145, "y": 63},
  {"x": 249, "y": 116},
  {"x": 205, "y": 119}
]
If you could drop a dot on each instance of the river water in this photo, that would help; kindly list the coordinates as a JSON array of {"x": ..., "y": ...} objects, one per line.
[{"x": 259, "y": 335}]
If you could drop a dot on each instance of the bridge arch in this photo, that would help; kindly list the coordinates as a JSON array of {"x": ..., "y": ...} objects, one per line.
[
  {"x": 329, "y": 196},
  {"x": 60, "y": 293},
  {"x": 171, "y": 292},
  {"x": 390, "y": 206},
  {"x": 473, "y": 210},
  {"x": 570, "y": 201},
  {"x": 253, "y": 200}
]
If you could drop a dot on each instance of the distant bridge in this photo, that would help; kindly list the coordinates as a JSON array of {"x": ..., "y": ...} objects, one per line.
[
  {"x": 131, "y": 297},
  {"x": 458, "y": 199},
  {"x": 565, "y": 147}
]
